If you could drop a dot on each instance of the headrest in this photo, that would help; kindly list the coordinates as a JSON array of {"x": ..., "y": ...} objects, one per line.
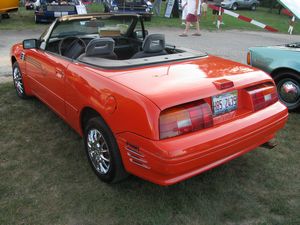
[
  {"x": 100, "y": 46},
  {"x": 154, "y": 43}
]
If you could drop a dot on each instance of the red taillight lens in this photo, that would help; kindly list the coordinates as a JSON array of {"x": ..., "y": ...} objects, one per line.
[
  {"x": 262, "y": 96},
  {"x": 184, "y": 119}
]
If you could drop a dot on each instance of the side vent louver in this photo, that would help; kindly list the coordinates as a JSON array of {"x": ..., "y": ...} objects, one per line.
[{"x": 136, "y": 156}]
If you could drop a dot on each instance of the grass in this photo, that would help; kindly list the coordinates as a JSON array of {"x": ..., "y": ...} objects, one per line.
[
  {"x": 25, "y": 20},
  {"x": 45, "y": 179},
  {"x": 280, "y": 22}
]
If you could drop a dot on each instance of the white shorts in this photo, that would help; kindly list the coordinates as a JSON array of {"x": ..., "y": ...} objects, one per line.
[{"x": 184, "y": 13}]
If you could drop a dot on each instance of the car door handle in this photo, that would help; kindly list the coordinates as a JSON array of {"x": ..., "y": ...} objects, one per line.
[{"x": 59, "y": 73}]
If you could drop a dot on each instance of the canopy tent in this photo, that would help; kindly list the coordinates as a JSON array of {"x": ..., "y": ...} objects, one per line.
[{"x": 292, "y": 5}]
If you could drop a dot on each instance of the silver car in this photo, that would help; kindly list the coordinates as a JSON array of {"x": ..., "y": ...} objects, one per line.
[{"x": 236, "y": 4}]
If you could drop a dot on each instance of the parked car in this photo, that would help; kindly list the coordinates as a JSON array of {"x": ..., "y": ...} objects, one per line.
[
  {"x": 29, "y": 4},
  {"x": 283, "y": 64},
  {"x": 142, "y": 7},
  {"x": 237, "y": 4},
  {"x": 49, "y": 10},
  {"x": 160, "y": 112},
  {"x": 7, "y": 7}
]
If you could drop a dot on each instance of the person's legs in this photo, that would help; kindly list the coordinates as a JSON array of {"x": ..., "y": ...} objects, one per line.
[
  {"x": 155, "y": 7},
  {"x": 197, "y": 28},
  {"x": 186, "y": 30},
  {"x": 159, "y": 6}
]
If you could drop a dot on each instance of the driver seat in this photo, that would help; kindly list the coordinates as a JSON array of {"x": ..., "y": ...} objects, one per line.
[
  {"x": 153, "y": 45},
  {"x": 101, "y": 48}
]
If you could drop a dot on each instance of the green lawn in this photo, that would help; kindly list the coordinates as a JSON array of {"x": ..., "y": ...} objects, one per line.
[
  {"x": 46, "y": 179},
  {"x": 25, "y": 20}
]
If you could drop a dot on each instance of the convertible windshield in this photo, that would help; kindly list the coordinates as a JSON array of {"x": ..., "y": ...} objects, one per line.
[{"x": 104, "y": 27}]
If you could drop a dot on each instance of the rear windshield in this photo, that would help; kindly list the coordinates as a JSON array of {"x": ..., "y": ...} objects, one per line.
[
  {"x": 130, "y": 2},
  {"x": 60, "y": 2},
  {"x": 61, "y": 8}
]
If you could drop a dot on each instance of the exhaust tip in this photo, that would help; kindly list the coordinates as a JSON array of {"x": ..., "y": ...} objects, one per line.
[{"x": 270, "y": 144}]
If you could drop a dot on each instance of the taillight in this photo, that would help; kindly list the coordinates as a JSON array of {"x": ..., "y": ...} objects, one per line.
[
  {"x": 184, "y": 119},
  {"x": 262, "y": 95},
  {"x": 249, "y": 58}
]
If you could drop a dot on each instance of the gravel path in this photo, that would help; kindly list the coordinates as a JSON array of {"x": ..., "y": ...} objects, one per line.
[{"x": 232, "y": 44}]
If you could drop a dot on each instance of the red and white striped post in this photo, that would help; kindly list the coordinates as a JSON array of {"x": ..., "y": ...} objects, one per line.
[{"x": 219, "y": 22}]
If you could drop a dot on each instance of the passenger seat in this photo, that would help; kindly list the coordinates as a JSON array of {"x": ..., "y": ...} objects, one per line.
[{"x": 153, "y": 45}]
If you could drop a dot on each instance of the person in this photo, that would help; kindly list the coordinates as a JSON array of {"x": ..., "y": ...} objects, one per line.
[
  {"x": 194, "y": 12},
  {"x": 204, "y": 8},
  {"x": 184, "y": 11},
  {"x": 157, "y": 7}
]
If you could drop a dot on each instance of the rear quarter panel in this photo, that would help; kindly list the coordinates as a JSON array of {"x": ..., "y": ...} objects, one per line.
[
  {"x": 269, "y": 59},
  {"x": 123, "y": 109}
]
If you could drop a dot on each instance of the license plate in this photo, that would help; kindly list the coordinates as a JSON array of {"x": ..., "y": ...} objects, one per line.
[
  {"x": 60, "y": 14},
  {"x": 224, "y": 103}
]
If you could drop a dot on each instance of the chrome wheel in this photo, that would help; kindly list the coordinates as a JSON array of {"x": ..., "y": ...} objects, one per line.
[
  {"x": 98, "y": 151},
  {"x": 17, "y": 76},
  {"x": 234, "y": 7},
  {"x": 289, "y": 91}
]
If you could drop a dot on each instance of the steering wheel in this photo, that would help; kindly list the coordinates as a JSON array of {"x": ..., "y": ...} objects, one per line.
[{"x": 71, "y": 47}]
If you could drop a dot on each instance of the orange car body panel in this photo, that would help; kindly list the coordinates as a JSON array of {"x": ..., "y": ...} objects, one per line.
[
  {"x": 131, "y": 100},
  {"x": 9, "y": 5}
]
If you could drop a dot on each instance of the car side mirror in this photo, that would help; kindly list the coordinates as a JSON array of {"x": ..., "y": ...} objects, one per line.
[
  {"x": 139, "y": 34},
  {"x": 30, "y": 44}
]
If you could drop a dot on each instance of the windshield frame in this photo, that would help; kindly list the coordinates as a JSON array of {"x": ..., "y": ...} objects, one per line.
[{"x": 45, "y": 37}]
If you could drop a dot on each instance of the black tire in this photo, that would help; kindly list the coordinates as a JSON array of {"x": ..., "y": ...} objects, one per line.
[
  {"x": 147, "y": 18},
  {"x": 115, "y": 171},
  {"x": 234, "y": 6},
  {"x": 106, "y": 9},
  {"x": 18, "y": 81},
  {"x": 36, "y": 19},
  {"x": 292, "y": 79},
  {"x": 253, "y": 7},
  {"x": 5, "y": 16}
]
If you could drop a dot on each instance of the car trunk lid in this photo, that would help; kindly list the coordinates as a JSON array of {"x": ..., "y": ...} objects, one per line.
[{"x": 182, "y": 82}]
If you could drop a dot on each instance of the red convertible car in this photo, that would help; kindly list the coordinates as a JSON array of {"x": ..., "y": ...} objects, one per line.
[{"x": 144, "y": 107}]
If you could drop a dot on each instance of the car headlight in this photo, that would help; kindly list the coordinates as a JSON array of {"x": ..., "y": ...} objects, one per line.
[{"x": 116, "y": 8}]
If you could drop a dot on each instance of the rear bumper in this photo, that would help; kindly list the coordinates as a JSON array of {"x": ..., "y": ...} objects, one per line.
[{"x": 169, "y": 161}]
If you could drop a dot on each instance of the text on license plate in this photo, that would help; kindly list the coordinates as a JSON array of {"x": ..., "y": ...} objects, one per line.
[{"x": 224, "y": 103}]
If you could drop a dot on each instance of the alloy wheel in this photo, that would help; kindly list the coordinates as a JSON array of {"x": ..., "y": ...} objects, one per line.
[{"x": 98, "y": 151}]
